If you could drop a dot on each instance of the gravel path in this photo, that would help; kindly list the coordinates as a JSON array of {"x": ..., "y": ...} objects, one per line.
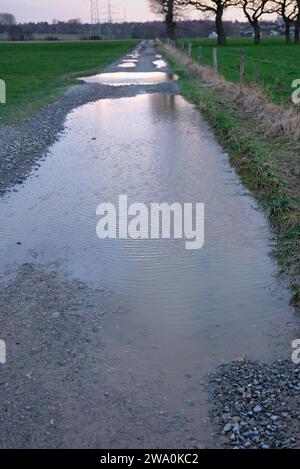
[
  {"x": 254, "y": 405},
  {"x": 257, "y": 405}
]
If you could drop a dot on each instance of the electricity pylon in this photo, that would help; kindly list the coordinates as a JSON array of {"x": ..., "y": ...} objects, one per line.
[
  {"x": 95, "y": 20},
  {"x": 109, "y": 13}
]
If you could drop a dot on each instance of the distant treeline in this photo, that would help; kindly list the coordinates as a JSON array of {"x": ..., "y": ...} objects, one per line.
[{"x": 134, "y": 30}]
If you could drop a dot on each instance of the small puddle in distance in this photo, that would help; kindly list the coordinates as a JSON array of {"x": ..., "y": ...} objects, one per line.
[
  {"x": 133, "y": 56},
  {"x": 127, "y": 65},
  {"x": 130, "y": 78},
  {"x": 129, "y": 59},
  {"x": 160, "y": 63}
]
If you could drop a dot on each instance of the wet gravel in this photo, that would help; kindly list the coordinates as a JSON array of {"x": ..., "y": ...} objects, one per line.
[
  {"x": 256, "y": 405},
  {"x": 59, "y": 387}
]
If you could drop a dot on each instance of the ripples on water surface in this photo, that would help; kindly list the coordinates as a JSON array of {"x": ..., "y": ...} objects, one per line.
[{"x": 198, "y": 307}]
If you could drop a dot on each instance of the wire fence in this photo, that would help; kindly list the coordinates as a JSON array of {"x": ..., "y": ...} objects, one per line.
[{"x": 250, "y": 66}]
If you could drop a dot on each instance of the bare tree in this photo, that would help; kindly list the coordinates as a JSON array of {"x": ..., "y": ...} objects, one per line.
[
  {"x": 217, "y": 8},
  {"x": 7, "y": 19},
  {"x": 75, "y": 21},
  {"x": 254, "y": 10},
  {"x": 287, "y": 9},
  {"x": 169, "y": 9}
]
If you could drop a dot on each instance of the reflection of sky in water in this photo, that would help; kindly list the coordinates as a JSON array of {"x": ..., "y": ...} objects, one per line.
[
  {"x": 127, "y": 65},
  {"x": 129, "y": 59},
  {"x": 160, "y": 63},
  {"x": 200, "y": 306},
  {"x": 129, "y": 78}
]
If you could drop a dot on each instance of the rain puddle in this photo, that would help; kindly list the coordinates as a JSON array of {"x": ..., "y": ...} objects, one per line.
[
  {"x": 180, "y": 312},
  {"x": 127, "y": 65},
  {"x": 130, "y": 60},
  {"x": 130, "y": 78},
  {"x": 133, "y": 56},
  {"x": 160, "y": 63}
]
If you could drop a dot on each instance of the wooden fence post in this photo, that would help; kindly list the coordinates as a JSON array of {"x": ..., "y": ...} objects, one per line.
[
  {"x": 200, "y": 53},
  {"x": 215, "y": 59},
  {"x": 242, "y": 68},
  {"x": 190, "y": 49}
]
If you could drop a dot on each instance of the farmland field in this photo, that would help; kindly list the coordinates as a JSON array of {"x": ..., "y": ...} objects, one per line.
[
  {"x": 35, "y": 73},
  {"x": 273, "y": 65}
]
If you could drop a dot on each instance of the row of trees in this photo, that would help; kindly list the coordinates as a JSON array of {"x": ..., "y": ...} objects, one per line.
[
  {"x": 7, "y": 19},
  {"x": 254, "y": 10},
  {"x": 135, "y": 30}
]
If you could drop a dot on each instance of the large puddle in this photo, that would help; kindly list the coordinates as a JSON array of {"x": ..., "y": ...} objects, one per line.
[
  {"x": 195, "y": 308},
  {"x": 213, "y": 303}
]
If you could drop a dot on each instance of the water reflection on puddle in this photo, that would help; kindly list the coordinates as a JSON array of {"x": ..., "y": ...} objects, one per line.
[
  {"x": 133, "y": 56},
  {"x": 130, "y": 60},
  {"x": 160, "y": 63},
  {"x": 127, "y": 65},
  {"x": 130, "y": 78}
]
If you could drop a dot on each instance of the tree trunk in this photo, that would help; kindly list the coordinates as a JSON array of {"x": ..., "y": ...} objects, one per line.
[
  {"x": 257, "y": 33},
  {"x": 220, "y": 27},
  {"x": 170, "y": 23},
  {"x": 288, "y": 32}
]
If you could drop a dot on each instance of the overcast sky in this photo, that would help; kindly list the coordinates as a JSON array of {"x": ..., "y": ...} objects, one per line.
[
  {"x": 38, "y": 10},
  {"x": 47, "y": 10}
]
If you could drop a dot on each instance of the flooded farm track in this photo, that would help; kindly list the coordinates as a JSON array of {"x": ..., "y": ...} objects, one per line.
[{"x": 109, "y": 342}]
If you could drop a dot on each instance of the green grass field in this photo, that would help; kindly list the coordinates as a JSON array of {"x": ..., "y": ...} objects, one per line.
[
  {"x": 273, "y": 65},
  {"x": 36, "y": 73}
]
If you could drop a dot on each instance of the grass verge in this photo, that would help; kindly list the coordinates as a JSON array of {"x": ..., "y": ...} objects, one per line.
[
  {"x": 269, "y": 166},
  {"x": 37, "y": 73}
]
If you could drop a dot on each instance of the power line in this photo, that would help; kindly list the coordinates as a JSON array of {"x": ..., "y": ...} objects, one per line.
[
  {"x": 110, "y": 14},
  {"x": 95, "y": 30}
]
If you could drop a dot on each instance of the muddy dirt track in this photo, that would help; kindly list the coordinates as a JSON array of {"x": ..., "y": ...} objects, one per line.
[{"x": 109, "y": 344}]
